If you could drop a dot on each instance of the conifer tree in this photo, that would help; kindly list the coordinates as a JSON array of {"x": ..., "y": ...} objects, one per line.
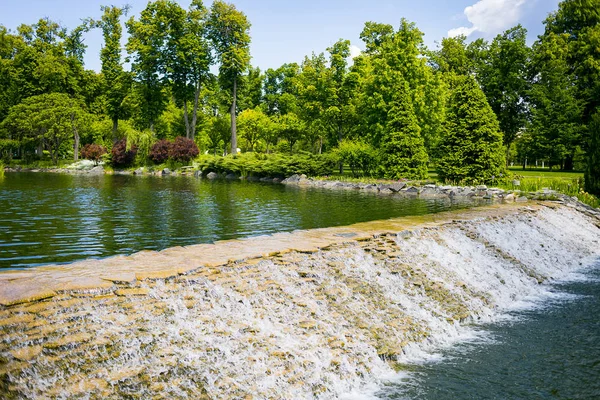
[
  {"x": 471, "y": 148},
  {"x": 592, "y": 172},
  {"x": 403, "y": 148}
]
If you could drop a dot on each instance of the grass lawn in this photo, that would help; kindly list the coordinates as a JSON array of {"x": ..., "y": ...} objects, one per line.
[{"x": 545, "y": 173}]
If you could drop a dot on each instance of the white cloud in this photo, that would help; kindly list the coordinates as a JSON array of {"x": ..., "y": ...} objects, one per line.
[
  {"x": 491, "y": 16},
  {"x": 355, "y": 51},
  {"x": 461, "y": 31}
]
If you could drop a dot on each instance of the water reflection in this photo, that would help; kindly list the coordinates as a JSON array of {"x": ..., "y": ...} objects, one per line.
[{"x": 55, "y": 218}]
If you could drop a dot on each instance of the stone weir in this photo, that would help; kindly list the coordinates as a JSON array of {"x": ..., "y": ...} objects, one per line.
[{"x": 308, "y": 314}]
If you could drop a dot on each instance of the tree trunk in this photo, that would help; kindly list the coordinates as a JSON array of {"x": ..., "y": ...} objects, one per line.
[
  {"x": 115, "y": 129},
  {"x": 76, "y": 139},
  {"x": 195, "y": 110},
  {"x": 233, "y": 126},
  {"x": 569, "y": 164},
  {"x": 186, "y": 120}
]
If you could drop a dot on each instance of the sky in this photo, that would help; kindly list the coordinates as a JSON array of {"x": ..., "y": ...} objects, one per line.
[{"x": 285, "y": 31}]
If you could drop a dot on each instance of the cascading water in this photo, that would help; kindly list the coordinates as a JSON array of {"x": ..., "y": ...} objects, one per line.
[{"x": 326, "y": 324}]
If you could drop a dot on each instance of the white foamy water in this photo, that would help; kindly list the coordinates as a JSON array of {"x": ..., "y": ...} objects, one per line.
[{"x": 332, "y": 324}]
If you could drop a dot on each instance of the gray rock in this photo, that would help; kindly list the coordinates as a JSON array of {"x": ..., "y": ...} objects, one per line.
[
  {"x": 516, "y": 182},
  {"x": 522, "y": 199},
  {"x": 198, "y": 174},
  {"x": 397, "y": 186},
  {"x": 412, "y": 189},
  {"x": 253, "y": 178},
  {"x": 292, "y": 179},
  {"x": 212, "y": 175},
  {"x": 166, "y": 171},
  {"x": 510, "y": 198},
  {"x": 428, "y": 190},
  {"x": 232, "y": 177},
  {"x": 97, "y": 170},
  {"x": 481, "y": 187}
]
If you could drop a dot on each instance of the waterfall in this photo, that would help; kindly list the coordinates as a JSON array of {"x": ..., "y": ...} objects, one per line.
[{"x": 296, "y": 325}]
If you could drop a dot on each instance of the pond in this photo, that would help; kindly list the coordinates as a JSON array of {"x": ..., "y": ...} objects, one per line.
[{"x": 48, "y": 218}]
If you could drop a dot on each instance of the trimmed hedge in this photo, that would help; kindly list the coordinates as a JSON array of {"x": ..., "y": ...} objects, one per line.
[{"x": 263, "y": 165}]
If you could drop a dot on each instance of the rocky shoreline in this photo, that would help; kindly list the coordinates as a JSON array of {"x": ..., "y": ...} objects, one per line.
[{"x": 399, "y": 188}]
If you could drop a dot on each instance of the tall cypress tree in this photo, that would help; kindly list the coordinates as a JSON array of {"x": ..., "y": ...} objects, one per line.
[
  {"x": 403, "y": 148},
  {"x": 471, "y": 148},
  {"x": 592, "y": 171}
]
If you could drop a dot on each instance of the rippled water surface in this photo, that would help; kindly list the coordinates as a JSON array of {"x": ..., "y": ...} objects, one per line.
[
  {"x": 57, "y": 218},
  {"x": 548, "y": 351}
]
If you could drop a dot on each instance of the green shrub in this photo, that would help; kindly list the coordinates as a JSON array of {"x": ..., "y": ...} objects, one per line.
[
  {"x": 263, "y": 165},
  {"x": 360, "y": 157},
  {"x": 7, "y": 147}
]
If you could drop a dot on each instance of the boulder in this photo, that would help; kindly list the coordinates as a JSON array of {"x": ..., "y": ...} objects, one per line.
[
  {"x": 232, "y": 177},
  {"x": 397, "y": 186},
  {"x": 97, "y": 170},
  {"x": 166, "y": 171},
  {"x": 292, "y": 179},
  {"x": 212, "y": 175}
]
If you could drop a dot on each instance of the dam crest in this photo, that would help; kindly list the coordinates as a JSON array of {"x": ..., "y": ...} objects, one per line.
[{"x": 308, "y": 314}]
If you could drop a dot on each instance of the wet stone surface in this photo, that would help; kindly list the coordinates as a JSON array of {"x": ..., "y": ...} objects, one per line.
[{"x": 294, "y": 324}]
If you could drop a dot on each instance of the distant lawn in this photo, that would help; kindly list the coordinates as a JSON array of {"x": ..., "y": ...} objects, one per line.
[{"x": 545, "y": 173}]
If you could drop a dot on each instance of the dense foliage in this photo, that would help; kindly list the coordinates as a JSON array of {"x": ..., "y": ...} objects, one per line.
[
  {"x": 394, "y": 111},
  {"x": 121, "y": 155},
  {"x": 361, "y": 157},
  {"x": 159, "y": 152},
  {"x": 93, "y": 152},
  {"x": 403, "y": 148},
  {"x": 471, "y": 149},
  {"x": 183, "y": 149},
  {"x": 264, "y": 165}
]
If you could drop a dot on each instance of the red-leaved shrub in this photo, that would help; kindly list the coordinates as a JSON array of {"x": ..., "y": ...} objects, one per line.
[
  {"x": 183, "y": 149},
  {"x": 121, "y": 157},
  {"x": 159, "y": 152},
  {"x": 93, "y": 152}
]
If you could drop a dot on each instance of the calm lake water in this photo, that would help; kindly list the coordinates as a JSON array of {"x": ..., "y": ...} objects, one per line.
[
  {"x": 57, "y": 218},
  {"x": 550, "y": 350}
]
